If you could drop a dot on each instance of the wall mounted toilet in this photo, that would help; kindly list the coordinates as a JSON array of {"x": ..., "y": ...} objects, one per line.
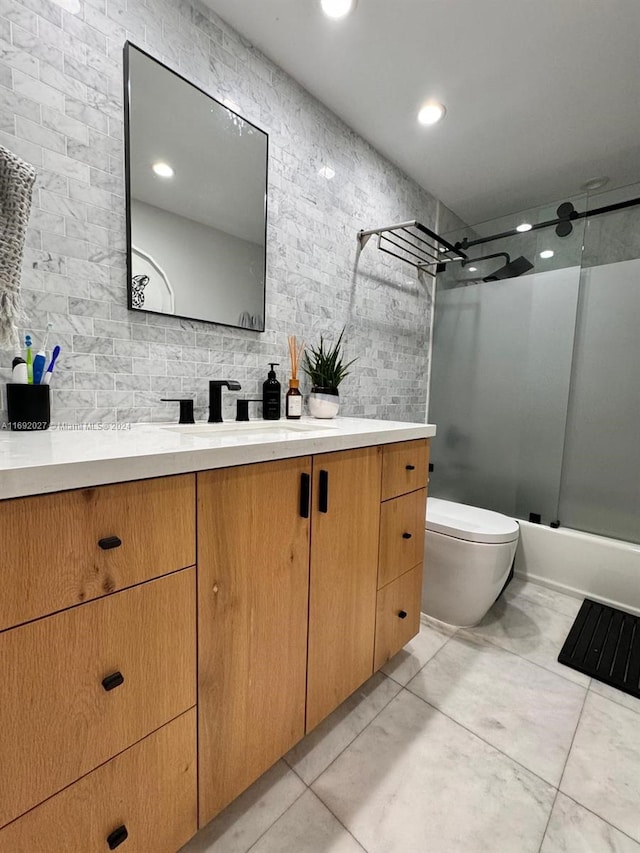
[{"x": 468, "y": 553}]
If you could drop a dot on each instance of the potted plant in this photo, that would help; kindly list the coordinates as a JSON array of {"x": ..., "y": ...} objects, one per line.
[{"x": 325, "y": 368}]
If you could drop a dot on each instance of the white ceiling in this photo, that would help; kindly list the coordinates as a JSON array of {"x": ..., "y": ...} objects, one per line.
[{"x": 541, "y": 95}]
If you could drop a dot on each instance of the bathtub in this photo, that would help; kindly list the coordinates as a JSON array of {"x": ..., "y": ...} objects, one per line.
[{"x": 580, "y": 564}]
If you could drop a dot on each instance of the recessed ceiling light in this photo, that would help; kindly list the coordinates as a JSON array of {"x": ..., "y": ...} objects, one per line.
[
  {"x": 547, "y": 253},
  {"x": 595, "y": 184},
  {"x": 163, "y": 170},
  {"x": 472, "y": 269},
  {"x": 327, "y": 172},
  {"x": 524, "y": 226},
  {"x": 337, "y": 8},
  {"x": 72, "y": 6},
  {"x": 431, "y": 113}
]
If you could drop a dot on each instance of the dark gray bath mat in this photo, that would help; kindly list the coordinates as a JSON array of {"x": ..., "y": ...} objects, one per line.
[{"x": 605, "y": 644}]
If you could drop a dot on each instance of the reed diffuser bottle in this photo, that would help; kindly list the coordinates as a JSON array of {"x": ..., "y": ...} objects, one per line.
[{"x": 293, "y": 399}]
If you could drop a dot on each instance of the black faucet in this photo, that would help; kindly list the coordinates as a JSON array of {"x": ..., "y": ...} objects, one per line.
[{"x": 215, "y": 397}]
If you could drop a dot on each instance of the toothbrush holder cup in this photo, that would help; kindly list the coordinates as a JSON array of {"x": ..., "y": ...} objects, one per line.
[{"x": 28, "y": 407}]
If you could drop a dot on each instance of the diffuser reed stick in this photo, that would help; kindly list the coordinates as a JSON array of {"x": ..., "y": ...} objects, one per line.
[{"x": 295, "y": 353}]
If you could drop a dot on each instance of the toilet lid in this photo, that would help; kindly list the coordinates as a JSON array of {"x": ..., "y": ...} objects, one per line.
[{"x": 469, "y": 522}]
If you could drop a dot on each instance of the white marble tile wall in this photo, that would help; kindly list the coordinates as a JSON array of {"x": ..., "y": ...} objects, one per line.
[{"x": 61, "y": 94}]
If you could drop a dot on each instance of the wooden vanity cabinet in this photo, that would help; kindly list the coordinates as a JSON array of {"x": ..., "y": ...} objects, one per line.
[
  {"x": 253, "y": 582},
  {"x": 308, "y": 578}
]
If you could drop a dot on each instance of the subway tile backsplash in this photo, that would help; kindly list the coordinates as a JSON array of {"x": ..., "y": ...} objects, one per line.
[{"x": 62, "y": 110}]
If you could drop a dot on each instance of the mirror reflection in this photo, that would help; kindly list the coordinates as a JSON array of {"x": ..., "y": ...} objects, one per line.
[{"x": 196, "y": 200}]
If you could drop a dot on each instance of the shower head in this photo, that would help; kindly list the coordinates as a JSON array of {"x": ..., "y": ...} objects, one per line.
[{"x": 511, "y": 269}]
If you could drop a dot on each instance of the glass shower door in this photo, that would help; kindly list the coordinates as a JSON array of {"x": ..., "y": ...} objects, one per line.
[
  {"x": 499, "y": 391},
  {"x": 600, "y": 490}
]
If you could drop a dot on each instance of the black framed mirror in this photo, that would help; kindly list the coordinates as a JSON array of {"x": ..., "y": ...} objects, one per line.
[{"x": 196, "y": 180}]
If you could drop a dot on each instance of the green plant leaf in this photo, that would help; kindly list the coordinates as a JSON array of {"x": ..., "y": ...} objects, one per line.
[{"x": 324, "y": 365}]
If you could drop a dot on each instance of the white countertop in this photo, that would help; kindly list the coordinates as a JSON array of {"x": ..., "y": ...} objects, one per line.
[{"x": 34, "y": 463}]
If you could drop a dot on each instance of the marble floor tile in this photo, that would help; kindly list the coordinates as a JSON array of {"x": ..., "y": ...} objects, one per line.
[
  {"x": 534, "y": 632},
  {"x": 543, "y": 595},
  {"x": 319, "y": 748},
  {"x": 410, "y": 660},
  {"x": 630, "y": 702},
  {"x": 603, "y": 769},
  {"x": 573, "y": 829},
  {"x": 240, "y": 825},
  {"x": 307, "y": 827},
  {"x": 415, "y": 781},
  {"x": 522, "y": 709}
]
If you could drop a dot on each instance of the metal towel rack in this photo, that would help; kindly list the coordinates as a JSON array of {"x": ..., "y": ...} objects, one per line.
[{"x": 414, "y": 243}]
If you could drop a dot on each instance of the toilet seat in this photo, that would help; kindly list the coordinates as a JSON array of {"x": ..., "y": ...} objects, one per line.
[{"x": 469, "y": 522}]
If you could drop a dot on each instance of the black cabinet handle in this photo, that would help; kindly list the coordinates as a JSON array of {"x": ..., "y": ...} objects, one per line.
[
  {"x": 407, "y": 535},
  {"x": 113, "y": 680},
  {"x": 410, "y": 467},
  {"x": 110, "y": 542},
  {"x": 402, "y": 614},
  {"x": 117, "y": 837},
  {"x": 323, "y": 498},
  {"x": 305, "y": 491}
]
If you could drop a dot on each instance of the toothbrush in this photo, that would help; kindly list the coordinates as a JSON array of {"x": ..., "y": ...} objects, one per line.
[
  {"x": 46, "y": 379},
  {"x": 29, "y": 359},
  {"x": 41, "y": 358}
]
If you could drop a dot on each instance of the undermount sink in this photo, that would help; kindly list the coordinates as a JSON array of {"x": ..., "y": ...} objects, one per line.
[{"x": 243, "y": 427}]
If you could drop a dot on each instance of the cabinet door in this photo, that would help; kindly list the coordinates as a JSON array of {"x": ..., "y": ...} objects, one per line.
[
  {"x": 253, "y": 575},
  {"x": 398, "y": 618},
  {"x": 344, "y": 566}
]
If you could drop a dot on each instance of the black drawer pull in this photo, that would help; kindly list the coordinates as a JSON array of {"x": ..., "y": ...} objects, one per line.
[
  {"x": 110, "y": 542},
  {"x": 323, "y": 498},
  {"x": 407, "y": 535},
  {"x": 402, "y": 614},
  {"x": 117, "y": 837},
  {"x": 113, "y": 680},
  {"x": 410, "y": 467},
  {"x": 305, "y": 491}
]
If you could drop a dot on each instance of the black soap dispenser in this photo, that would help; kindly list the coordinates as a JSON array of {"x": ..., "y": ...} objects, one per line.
[{"x": 271, "y": 395}]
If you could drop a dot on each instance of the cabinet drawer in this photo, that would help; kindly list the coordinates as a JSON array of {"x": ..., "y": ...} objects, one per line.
[
  {"x": 401, "y": 535},
  {"x": 405, "y": 467},
  {"x": 150, "y": 790},
  {"x": 56, "y": 547},
  {"x": 60, "y": 718},
  {"x": 393, "y": 629}
]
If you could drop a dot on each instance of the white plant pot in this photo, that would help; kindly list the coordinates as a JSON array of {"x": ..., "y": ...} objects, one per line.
[{"x": 323, "y": 404}]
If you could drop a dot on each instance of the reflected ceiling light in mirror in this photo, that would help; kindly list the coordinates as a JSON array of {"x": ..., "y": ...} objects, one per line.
[
  {"x": 163, "y": 170},
  {"x": 327, "y": 172},
  {"x": 547, "y": 253},
  {"x": 472, "y": 269},
  {"x": 524, "y": 226},
  {"x": 431, "y": 113},
  {"x": 337, "y": 8}
]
